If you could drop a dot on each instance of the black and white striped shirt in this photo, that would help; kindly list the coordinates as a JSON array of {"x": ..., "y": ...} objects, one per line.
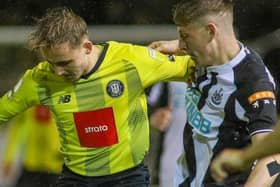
[{"x": 227, "y": 105}]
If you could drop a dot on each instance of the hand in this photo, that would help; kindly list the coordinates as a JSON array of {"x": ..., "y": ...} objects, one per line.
[
  {"x": 7, "y": 168},
  {"x": 167, "y": 47},
  {"x": 229, "y": 161},
  {"x": 160, "y": 119}
]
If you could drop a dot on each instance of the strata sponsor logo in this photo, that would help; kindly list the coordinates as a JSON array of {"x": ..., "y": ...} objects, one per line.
[
  {"x": 100, "y": 128},
  {"x": 96, "y": 128}
]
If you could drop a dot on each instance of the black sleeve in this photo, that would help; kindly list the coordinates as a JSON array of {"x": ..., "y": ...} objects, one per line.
[{"x": 257, "y": 97}]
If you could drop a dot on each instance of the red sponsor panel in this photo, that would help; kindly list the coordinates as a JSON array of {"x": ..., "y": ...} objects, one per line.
[{"x": 96, "y": 128}]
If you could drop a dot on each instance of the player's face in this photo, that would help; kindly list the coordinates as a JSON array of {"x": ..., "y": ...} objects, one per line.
[
  {"x": 194, "y": 39},
  {"x": 66, "y": 61}
]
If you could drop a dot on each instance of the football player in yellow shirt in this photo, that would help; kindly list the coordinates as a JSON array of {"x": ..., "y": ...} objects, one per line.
[{"x": 96, "y": 92}]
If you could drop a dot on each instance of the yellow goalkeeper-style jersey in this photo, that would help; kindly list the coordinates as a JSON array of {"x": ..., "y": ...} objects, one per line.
[{"x": 102, "y": 118}]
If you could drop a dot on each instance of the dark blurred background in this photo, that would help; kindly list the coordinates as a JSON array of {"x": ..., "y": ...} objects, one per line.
[
  {"x": 139, "y": 21},
  {"x": 20, "y": 12}
]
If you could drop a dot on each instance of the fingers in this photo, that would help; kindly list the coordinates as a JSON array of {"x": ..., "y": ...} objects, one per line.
[
  {"x": 154, "y": 45},
  {"x": 227, "y": 162},
  {"x": 158, "y": 45},
  {"x": 166, "y": 47},
  {"x": 167, "y": 115},
  {"x": 160, "y": 119},
  {"x": 217, "y": 171},
  {"x": 7, "y": 169}
]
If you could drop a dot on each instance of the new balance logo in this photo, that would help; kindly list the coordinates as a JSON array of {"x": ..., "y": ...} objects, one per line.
[{"x": 64, "y": 99}]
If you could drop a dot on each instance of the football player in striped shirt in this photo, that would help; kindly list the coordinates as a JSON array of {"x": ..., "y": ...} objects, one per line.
[{"x": 232, "y": 101}]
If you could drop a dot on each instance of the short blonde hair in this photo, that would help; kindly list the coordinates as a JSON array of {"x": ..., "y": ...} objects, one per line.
[
  {"x": 59, "y": 25},
  {"x": 188, "y": 11}
]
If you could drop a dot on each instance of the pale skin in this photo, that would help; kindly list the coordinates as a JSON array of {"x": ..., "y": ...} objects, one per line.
[
  {"x": 168, "y": 47},
  {"x": 71, "y": 62},
  {"x": 161, "y": 118},
  {"x": 211, "y": 41}
]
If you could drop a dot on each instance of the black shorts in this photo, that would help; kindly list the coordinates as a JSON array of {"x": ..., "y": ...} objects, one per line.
[
  {"x": 35, "y": 179},
  {"x": 134, "y": 177}
]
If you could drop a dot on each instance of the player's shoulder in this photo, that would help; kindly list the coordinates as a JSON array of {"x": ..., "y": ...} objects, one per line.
[
  {"x": 42, "y": 66},
  {"x": 115, "y": 49},
  {"x": 42, "y": 69},
  {"x": 120, "y": 45},
  {"x": 251, "y": 65},
  {"x": 252, "y": 73}
]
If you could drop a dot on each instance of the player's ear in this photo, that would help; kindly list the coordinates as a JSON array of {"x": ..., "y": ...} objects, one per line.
[
  {"x": 211, "y": 31},
  {"x": 87, "y": 46}
]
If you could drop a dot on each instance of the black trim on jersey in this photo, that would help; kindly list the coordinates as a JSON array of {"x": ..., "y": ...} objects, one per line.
[
  {"x": 206, "y": 89},
  {"x": 99, "y": 61},
  {"x": 188, "y": 141},
  {"x": 201, "y": 77},
  {"x": 190, "y": 155}
]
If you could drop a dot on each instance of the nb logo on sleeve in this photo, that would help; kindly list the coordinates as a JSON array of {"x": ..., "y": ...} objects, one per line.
[{"x": 64, "y": 99}]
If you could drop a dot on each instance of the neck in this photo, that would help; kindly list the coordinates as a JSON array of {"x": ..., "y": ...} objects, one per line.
[
  {"x": 226, "y": 51},
  {"x": 93, "y": 58},
  {"x": 231, "y": 51}
]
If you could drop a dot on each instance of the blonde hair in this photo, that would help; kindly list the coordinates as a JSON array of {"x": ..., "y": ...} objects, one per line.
[
  {"x": 188, "y": 11},
  {"x": 59, "y": 25}
]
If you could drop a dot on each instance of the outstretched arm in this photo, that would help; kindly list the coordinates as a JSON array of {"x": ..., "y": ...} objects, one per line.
[
  {"x": 263, "y": 173},
  {"x": 232, "y": 160},
  {"x": 167, "y": 47}
]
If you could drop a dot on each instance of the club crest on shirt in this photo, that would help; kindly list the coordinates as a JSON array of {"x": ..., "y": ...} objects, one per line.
[
  {"x": 115, "y": 88},
  {"x": 217, "y": 96}
]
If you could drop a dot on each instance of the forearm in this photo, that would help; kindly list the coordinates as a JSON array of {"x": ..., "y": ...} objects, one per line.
[
  {"x": 261, "y": 174},
  {"x": 262, "y": 148},
  {"x": 232, "y": 160}
]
